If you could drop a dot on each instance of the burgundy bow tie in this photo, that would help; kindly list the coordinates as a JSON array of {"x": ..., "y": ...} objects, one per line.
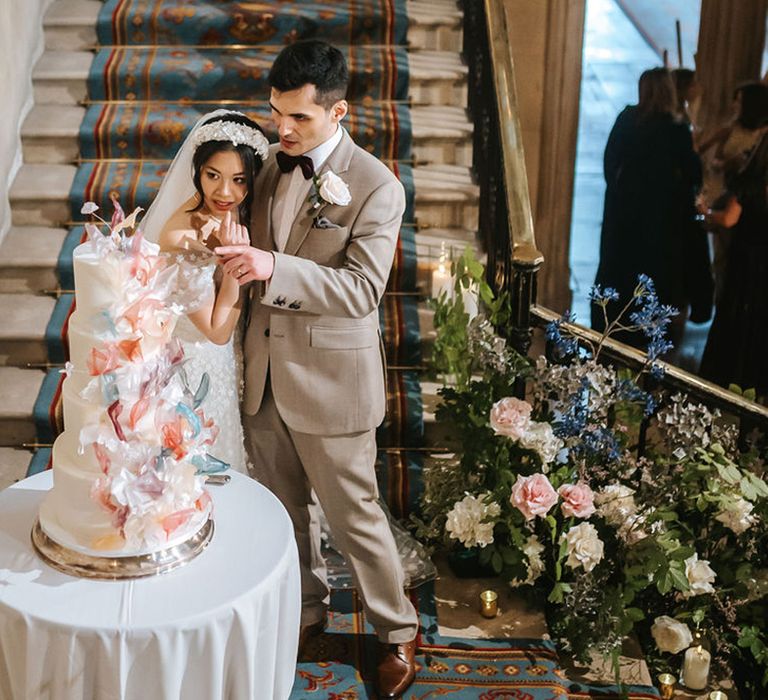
[{"x": 287, "y": 163}]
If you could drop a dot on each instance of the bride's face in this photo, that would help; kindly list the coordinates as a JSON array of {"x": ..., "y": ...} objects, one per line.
[{"x": 223, "y": 182}]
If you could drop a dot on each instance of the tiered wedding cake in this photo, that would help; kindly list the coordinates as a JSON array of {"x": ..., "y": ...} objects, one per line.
[{"x": 126, "y": 468}]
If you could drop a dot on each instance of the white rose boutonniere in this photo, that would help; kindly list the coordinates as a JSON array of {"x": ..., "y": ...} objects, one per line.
[{"x": 329, "y": 188}]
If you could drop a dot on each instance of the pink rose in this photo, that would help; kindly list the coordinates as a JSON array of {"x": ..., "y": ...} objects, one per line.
[
  {"x": 578, "y": 500},
  {"x": 533, "y": 495},
  {"x": 511, "y": 417}
]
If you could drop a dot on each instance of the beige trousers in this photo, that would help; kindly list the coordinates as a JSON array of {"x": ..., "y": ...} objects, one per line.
[{"x": 339, "y": 472}]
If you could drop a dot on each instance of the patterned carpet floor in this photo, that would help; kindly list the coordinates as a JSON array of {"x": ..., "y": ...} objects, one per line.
[{"x": 340, "y": 664}]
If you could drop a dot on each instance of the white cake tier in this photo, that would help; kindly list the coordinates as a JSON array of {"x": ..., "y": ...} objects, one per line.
[
  {"x": 69, "y": 515},
  {"x": 81, "y": 339},
  {"x": 96, "y": 280},
  {"x": 65, "y": 448},
  {"x": 78, "y": 412},
  {"x": 72, "y": 518},
  {"x": 78, "y": 380}
]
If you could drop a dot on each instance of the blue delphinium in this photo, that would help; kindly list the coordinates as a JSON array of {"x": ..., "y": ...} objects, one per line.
[
  {"x": 646, "y": 315},
  {"x": 573, "y": 415},
  {"x": 652, "y": 319},
  {"x": 628, "y": 390},
  {"x": 600, "y": 296},
  {"x": 564, "y": 345},
  {"x": 602, "y": 442}
]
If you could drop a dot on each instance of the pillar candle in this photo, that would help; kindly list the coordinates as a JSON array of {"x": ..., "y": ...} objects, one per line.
[
  {"x": 442, "y": 281},
  {"x": 695, "y": 668},
  {"x": 469, "y": 297}
]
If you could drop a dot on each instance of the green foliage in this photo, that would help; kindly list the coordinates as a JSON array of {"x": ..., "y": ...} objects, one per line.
[
  {"x": 754, "y": 640},
  {"x": 450, "y": 353}
]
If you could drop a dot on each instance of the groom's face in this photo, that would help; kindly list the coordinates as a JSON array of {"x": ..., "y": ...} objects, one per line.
[{"x": 302, "y": 123}]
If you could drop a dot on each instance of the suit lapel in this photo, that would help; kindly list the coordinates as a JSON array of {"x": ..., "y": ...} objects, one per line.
[
  {"x": 337, "y": 162},
  {"x": 261, "y": 230}
]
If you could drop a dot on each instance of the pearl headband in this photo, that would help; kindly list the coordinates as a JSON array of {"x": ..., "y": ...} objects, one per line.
[{"x": 233, "y": 132}]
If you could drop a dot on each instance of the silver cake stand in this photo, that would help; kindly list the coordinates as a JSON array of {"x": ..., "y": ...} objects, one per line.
[{"x": 119, "y": 568}]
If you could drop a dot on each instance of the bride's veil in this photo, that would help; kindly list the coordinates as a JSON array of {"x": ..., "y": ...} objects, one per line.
[{"x": 177, "y": 186}]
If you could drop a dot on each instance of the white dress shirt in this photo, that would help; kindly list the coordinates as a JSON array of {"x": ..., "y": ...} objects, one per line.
[{"x": 293, "y": 190}]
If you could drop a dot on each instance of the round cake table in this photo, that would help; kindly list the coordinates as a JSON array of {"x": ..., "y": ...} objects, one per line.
[{"x": 223, "y": 626}]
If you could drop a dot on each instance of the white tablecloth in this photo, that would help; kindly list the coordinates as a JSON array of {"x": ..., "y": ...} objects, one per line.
[{"x": 223, "y": 626}]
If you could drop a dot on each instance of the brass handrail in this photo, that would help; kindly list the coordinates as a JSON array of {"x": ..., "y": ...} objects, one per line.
[
  {"x": 523, "y": 241},
  {"x": 673, "y": 376}
]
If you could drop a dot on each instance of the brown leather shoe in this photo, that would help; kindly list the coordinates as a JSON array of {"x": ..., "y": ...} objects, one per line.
[
  {"x": 396, "y": 670},
  {"x": 309, "y": 632}
]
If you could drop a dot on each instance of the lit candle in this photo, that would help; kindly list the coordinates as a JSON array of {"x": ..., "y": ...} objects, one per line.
[
  {"x": 695, "y": 668},
  {"x": 489, "y": 603},
  {"x": 667, "y": 686},
  {"x": 442, "y": 281},
  {"x": 469, "y": 298}
]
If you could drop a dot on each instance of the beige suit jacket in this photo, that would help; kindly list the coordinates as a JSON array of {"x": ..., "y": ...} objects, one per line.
[{"x": 315, "y": 325}]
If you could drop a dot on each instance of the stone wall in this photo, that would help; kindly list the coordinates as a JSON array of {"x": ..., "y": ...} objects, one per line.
[{"x": 21, "y": 44}]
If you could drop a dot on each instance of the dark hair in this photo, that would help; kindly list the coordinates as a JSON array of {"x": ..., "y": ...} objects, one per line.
[
  {"x": 683, "y": 79},
  {"x": 656, "y": 93},
  {"x": 753, "y": 112},
  {"x": 315, "y": 63},
  {"x": 251, "y": 160}
]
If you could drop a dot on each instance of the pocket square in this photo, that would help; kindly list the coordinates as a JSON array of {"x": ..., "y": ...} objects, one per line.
[{"x": 323, "y": 222}]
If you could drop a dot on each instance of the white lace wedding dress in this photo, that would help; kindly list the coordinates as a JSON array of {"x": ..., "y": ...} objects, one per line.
[{"x": 224, "y": 366}]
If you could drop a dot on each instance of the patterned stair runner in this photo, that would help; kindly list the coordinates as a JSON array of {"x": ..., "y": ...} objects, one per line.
[{"x": 165, "y": 63}]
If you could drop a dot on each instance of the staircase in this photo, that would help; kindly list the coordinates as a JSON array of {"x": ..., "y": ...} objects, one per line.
[
  {"x": 445, "y": 196},
  {"x": 33, "y": 288}
]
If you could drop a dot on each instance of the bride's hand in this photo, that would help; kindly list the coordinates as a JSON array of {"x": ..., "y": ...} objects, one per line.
[{"x": 232, "y": 233}]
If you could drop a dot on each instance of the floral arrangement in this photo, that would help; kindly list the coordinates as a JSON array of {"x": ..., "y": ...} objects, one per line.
[
  {"x": 152, "y": 438},
  {"x": 622, "y": 509}
]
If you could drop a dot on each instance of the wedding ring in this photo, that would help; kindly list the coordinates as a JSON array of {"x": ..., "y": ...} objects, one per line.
[{"x": 240, "y": 271}]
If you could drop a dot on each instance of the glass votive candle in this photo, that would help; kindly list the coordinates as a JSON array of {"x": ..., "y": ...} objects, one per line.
[
  {"x": 717, "y": 695},
  {"x": 666, "y": 686},
  {"x": 489, "y": 603}
]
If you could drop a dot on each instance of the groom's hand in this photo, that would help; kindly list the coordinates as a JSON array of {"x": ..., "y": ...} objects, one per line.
[{"x": 246, "y": 263}]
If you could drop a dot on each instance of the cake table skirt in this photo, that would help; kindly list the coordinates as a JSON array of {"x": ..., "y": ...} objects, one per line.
[{"x": 223, "y": 626}]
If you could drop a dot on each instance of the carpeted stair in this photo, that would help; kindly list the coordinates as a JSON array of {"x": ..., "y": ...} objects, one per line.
[{"x": 116, "y": 91}]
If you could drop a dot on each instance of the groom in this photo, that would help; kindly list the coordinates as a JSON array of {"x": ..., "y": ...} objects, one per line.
[{"x": 324, "y": 232}]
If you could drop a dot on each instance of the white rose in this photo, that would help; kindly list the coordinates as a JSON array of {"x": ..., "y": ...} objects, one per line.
[
  {"x": 737, "y": 515},
  {"x": 632, "y": 529},
  {"x": 540, "y": 438},
  {"x": 616, "y": 504},
  {"x": 465, "y": 521},
  {"x": 333, "y": 189},
  {"x": 585, "y": 548},
  {"x": 671, "y": 635},
  {"x": 700, "y": 576},
  {"x": 532, "y": 549}
]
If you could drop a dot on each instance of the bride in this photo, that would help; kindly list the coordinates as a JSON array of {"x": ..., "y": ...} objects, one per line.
[{"x": 206, "y": 194}]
